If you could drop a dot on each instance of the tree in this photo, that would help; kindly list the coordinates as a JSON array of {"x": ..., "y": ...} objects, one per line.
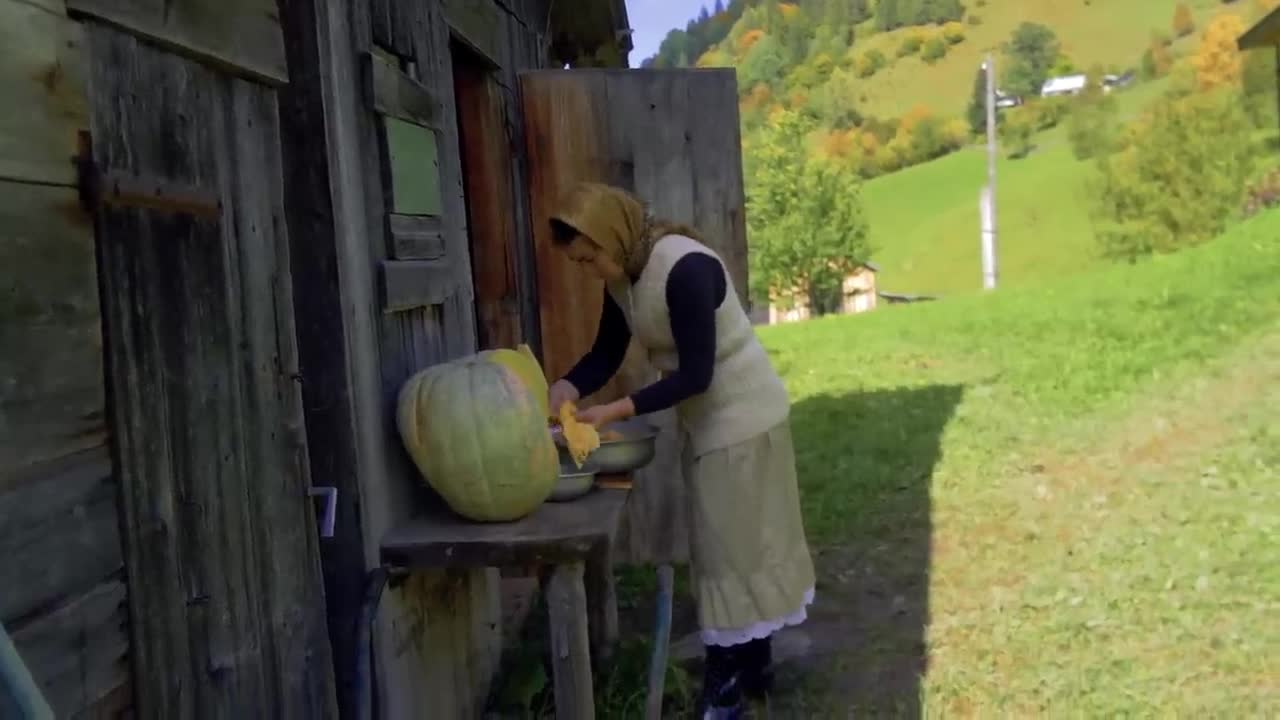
[
  {"x": 1178, "y": 179},
  {"x": 1183, "y": 22},
  {"x": 1017, "y": 130},
  {"x": 1259, "y": 84},
  {"x": 935, "y": 48},
  {"x": 1217, "y": 61},
  {"x": 805, "y": 216},
  {"x": 977, "y": 111},
  {"x": 764, "y": 63},
  {"x": 1032, "y": 51},
  {"x": 1091, "y": 126}
]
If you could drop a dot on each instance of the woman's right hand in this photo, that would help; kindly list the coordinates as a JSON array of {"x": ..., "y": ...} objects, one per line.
[{"x": 560, "y": 392}]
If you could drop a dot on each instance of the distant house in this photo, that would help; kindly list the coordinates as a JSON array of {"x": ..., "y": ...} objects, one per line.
[
  {"x": 858, "y": 294},
  {"x": 1065, "y": 85},
  {"x": 859, "y": 290}
]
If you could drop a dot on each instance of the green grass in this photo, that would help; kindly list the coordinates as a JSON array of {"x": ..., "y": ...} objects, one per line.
[
  {"x": 1056, "y": 501},
  {"x": 925, "y": 225},
  {"x": 1093, "y": 31},
  {"x": 1067, "y": 492},
  {"x": 1062, "y": 498}
]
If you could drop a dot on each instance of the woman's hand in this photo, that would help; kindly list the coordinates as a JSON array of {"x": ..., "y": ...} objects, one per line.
[
  {"x": 560, "y": 392},
  {"x": 601, "y": 415}
]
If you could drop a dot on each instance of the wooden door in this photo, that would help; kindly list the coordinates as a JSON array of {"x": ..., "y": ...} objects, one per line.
[
  {"x": 673, "y": 138},
  {"x": 220, "y": 541}
]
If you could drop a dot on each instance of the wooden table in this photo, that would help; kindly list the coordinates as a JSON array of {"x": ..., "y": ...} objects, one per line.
[{"x": 573, "y": 539}]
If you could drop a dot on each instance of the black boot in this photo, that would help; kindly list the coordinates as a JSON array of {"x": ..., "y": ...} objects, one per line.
[
  {"x": 721, "y": 697},
  {"x": 756, "y": 668}
]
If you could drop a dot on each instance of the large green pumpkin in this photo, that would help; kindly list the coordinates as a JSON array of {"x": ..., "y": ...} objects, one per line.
[{"x": 478, "y": 435}]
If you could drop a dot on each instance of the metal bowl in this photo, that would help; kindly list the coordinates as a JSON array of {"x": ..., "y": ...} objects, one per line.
[
  {"x": 573, "y": 483},
  {"x": 635, "y": 450}
]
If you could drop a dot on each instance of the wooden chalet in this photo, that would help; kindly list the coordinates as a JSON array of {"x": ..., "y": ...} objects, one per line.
[{"x": 229, "y": 231}]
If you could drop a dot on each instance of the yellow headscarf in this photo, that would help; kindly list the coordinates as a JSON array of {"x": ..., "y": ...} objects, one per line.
[{"x": 617, "y": 221}]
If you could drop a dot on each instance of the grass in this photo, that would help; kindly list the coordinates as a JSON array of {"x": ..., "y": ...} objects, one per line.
[
  {"x": 925, "y": 225},
  {"x": 1091, "y": 31},
  {"x": 1040, "y": 502},
  {"x": 1065, "y": 496}
]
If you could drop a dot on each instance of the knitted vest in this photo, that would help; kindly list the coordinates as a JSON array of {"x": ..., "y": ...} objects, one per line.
[{"x": 746, "y": 396}]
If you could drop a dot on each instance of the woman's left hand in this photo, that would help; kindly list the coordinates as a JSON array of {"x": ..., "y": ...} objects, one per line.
[{"x": 600, "y": 415}]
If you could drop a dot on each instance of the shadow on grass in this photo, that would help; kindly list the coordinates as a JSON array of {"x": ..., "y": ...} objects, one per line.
[{"x": 866, "y": 462}]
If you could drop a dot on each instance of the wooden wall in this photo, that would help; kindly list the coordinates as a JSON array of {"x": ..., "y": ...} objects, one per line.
[
  {"x": 670, "y": 136},
  {"x": 62, "y": 580},
  {"x": 379, "y": 213}
]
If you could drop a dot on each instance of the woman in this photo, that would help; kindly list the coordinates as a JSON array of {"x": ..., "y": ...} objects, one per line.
[{"x": 752, "y": 573}]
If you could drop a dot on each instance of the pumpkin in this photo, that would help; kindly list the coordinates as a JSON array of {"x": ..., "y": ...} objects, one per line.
[
  {"x": 478, "y": 436},
  {"x": 522, "y": 362},
  {"x": 582, "y": 439}
]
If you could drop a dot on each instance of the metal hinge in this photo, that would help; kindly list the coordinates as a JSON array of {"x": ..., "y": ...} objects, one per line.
[{"x": 98, "y": 189}]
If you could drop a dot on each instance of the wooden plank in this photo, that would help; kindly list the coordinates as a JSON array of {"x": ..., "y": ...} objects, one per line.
[
  {"x": 661, "y": 135},
  {"x": 570, "y": 653},
  {"x": 436, "y": 538},
  {"x": 380, "y": 23},
  {"x": 318, "y": 112},
  {"x": 51, "y": 394},
  {"x": 404, "y": 26},
  {"x": 241, "y": 37},
  {"x": 602, "y": 601},
  {"x": 395, "y": 94},
  {"x": 481, "y": 25},
  {"x": 78, "y": 652},
  {"x": 487, "y": 177},
  {"x": 68, "y": 512},
  {"x": 416, "y": 237},
  {"x": 409, "y": 284},
  {"x": 219, "y": 536},
  {"x": 42, "y": 73},
  {"x": 414, "y": 161}
]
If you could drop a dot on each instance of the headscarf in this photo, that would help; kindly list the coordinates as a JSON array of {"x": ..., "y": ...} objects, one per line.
[{"x": 617, "y": 222}]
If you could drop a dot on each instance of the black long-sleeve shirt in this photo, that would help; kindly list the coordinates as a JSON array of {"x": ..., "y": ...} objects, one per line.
[{"x": 696, "y": 287}]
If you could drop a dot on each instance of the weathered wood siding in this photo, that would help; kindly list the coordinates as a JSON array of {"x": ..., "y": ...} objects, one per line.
[
  {"x": 62, "y": 596},
  {"x": 380, "y": 216},
  {"x": 672, "y": 137},
  {"x": 220, "y": 539}
]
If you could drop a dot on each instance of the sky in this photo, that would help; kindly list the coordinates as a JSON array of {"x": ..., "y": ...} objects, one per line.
[{"x": 651, "y": 20}]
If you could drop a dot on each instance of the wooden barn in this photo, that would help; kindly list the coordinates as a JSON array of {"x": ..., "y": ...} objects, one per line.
[{"x": 229, "y": 231}]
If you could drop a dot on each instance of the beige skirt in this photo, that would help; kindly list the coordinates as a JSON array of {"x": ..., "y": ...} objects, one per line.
[{"x": 751, "y": 569}]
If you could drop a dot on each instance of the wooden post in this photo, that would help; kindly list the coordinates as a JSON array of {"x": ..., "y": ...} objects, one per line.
[
  {"x": 989, "y": 272},
  {"x": 602, "y": 602},
  {"x": 570, "y": 653}
]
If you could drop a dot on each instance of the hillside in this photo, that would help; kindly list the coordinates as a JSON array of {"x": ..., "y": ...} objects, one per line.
[{"x": 1092, "y": 32}]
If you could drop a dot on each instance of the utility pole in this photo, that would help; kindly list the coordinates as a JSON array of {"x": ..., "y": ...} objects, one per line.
[{"x": 987, "y": 201}]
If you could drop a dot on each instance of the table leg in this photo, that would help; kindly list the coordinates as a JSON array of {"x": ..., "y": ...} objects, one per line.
[
  {"x": 570, "y": 653},
  {"x": 602, "y": 603}
]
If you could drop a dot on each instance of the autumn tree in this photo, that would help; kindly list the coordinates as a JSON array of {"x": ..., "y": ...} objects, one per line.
[
  {"x": 1183, "y": 22},
  {"x": 1217, "y": 61},
  {"x": 1178, "y": 178}
]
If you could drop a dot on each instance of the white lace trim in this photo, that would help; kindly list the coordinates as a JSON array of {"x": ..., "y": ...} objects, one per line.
[{"x": 725, "y": 637}]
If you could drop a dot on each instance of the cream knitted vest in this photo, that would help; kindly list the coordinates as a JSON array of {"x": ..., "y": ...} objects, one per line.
[{"x": 746, "y": 396}]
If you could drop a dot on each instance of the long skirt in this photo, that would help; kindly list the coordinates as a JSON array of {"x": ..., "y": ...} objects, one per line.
[{"x": 751, "y": 569}]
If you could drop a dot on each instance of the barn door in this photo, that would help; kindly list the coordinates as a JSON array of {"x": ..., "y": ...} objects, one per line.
[
  {"x": 672, "y": 137},
  {"x": 220, "y": 540}
]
